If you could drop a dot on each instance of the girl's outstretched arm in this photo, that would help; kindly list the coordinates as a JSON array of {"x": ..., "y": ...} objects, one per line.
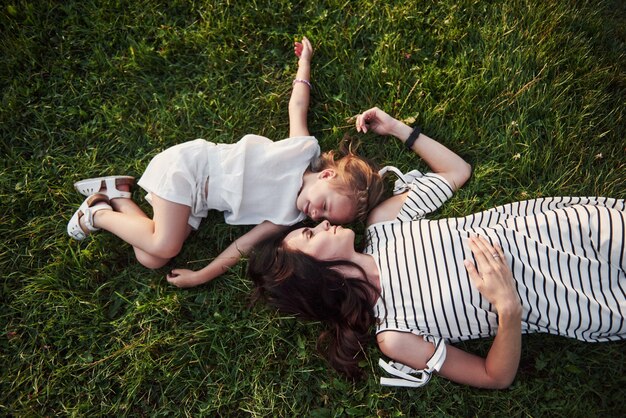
[
  {"x": 228, "y": 258},
  {"x": 301, "y": 92},
  {"x": 439, "y": 158}
]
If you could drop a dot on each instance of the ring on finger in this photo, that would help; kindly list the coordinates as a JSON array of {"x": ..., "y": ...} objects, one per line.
[{"x": 495, "y": 256}]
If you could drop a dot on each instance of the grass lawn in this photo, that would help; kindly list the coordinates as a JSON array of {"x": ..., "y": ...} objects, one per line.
[{"x": 531, "y": 92}]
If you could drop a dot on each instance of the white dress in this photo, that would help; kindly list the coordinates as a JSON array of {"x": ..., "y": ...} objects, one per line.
[{"x": 253, "y": 180}]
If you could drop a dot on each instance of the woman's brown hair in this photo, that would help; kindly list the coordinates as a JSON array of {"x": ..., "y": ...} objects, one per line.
[{"x": 298, "y": 284}]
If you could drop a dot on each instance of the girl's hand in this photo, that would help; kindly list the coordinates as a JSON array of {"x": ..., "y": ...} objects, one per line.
[
  {"x": 303, "y": 50},
  {"x": 493, "y": 279},
  {"x": 182, "y": 278},
  {"x": 377, "y": 121}
]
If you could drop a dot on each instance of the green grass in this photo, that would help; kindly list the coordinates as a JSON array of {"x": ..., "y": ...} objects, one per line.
[{"x": 532, "y": 93}]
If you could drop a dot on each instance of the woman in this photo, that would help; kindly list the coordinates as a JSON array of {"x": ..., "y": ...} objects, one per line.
[{"x": 554, "y": 265}]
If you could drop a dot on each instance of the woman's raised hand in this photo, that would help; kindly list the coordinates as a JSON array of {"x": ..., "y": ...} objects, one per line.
[
  {"x": 377, "y": 121},
  {"x": 303, "y": 50},
  {"x": 492, "y": 276}
]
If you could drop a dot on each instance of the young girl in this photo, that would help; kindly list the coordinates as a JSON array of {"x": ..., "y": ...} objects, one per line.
[{"x": 254, "y": 181}]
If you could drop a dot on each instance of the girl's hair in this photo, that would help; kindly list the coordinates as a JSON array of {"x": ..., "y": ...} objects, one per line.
[
  {"x": 357, "y": 177},
  {"x": 300, "y": 285}
]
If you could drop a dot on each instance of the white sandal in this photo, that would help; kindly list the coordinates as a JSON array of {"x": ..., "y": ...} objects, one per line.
[
  {"x": 88, "y": 187},
  {"x": 88, "y": 208}
]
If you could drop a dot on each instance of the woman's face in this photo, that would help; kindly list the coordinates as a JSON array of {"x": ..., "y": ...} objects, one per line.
[{"x": 324, "y": 242}]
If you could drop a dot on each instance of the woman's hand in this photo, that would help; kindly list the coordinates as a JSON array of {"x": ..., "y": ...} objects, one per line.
[
  {"x": 440, "y": 159},
  {"x": 303, "y": 50},
  {"x": 495, "y": 282},
  {"x": 377, "y": 121},
  {"x": 493, "y": 278}
]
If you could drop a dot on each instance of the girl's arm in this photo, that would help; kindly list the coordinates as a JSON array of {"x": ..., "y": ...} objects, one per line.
[
  {"x": 298, "y": 109},
  {"x": 228, "y": 258},
  {"x": 499, "y": 368},
  {"x": 439, "y": 158},
  {"x": 301, "y": 92}
]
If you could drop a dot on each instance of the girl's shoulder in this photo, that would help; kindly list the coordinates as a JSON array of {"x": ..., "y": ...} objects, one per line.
[
  {"x": 388, "y": 210},
  {"x": 300, "y": 139},
  {"x": 262, "y": 147}
]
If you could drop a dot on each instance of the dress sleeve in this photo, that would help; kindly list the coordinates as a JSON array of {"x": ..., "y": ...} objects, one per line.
[
  {"x": 405, "y": 376},
  {"x": 427, "y": 193}
]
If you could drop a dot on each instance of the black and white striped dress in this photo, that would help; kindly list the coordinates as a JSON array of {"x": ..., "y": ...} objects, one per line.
[{"x": 567, "y": 255}]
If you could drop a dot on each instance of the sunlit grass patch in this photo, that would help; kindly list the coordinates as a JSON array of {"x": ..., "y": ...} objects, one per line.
[{"x": 531, "y": 93}]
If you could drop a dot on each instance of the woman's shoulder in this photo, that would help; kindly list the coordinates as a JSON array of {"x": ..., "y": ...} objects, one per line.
[{"x": 416, "y": 198}]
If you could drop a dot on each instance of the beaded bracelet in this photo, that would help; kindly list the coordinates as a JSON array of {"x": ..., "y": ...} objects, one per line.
[
  {"x": 413, "y": 137},
  {"x": 300, "y": 80}
]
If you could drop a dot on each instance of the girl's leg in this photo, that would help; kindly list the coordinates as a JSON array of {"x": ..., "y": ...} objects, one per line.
[
  {"x": 155, "y": 240},
  {"x": 129, "y": 207}
]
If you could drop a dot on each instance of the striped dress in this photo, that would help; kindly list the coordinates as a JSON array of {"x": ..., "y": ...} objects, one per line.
[{"x": 567, "y": 255}]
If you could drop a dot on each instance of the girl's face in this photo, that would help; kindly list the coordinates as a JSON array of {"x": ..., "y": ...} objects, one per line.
[
  {"x": 324, "y": 242},
  {"x": 319, "y": 200}
]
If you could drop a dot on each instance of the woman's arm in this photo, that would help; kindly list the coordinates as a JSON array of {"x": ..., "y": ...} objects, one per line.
[
  {"x": 498, "y": 369},
  {"x": 494, "y": 280},
  {"x": 439, "y": 158},
  {"x": 228, "y": 258},
  {"x": 301, "y": 91}
]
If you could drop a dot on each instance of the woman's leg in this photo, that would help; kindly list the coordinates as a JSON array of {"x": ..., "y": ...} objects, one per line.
[{"x": 156, "y": 240}]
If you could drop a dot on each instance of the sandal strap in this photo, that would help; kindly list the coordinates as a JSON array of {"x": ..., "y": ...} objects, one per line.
[
  {"x": 87, "y": 187},
  {"x": 113, "y": 192},
  {"x": 95, "y": 203}
]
